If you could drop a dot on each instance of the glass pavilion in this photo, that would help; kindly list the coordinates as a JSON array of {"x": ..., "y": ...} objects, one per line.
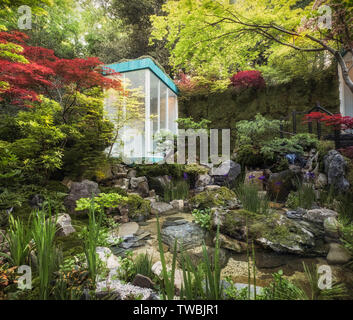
[{"x": 160, "y": 108}]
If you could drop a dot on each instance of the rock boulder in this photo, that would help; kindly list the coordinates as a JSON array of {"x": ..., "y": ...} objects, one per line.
[{"x": 78, "y": 190}]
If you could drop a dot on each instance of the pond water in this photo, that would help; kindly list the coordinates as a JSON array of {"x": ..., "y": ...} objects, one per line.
[{"x": 236, "y": 268}]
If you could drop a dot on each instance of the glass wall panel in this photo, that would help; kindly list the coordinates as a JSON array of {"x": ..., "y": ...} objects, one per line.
[
  {"x": 172, "y": 110},
  {"x": 154, "y": 97},
  {"x": 136, "y": 80},
  {"x": 163, "y": 99}
]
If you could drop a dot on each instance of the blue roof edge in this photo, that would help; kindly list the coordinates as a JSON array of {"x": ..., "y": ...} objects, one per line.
[{"x": 140, "y": 64}]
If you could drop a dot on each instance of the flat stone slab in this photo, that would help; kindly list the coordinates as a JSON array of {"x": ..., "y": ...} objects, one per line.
[
  {"x": 319, "y": 215},
  {"x": 188, "y": 234},
  {"x": 161, "y": 207},
  {"x": 127, "y": 229}
]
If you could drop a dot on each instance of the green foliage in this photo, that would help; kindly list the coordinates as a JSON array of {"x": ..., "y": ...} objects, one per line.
[
  {"x": 249, "y": 155},
  {"x": 203, "y": 218},
  {"x": 127, "y": 270},
  {"x": 89, "y": 134},
  {"x": 189, "y": 123},
  {"x": 283, "y": 289},
  {"x": 226, "y": 109},
  {"x": 293, "y": 200},
  {"x": 280, "y": 147},
  {"x": 281, "y": 165},
  {"x": 104, "y": 238},
  {"x": 214, "y": 286},
  {"x": 10, "y": 166},
  {"x": 18, "y": 237},
  {"x": 176, "y": 190},
  {"x": 337, "y": 291},
  {"x": 130, "y": 267},
  {"x": 232, "y": 293},
  {"x": 212, "y": 198},
  {"x": 249, "y": 196},
  {"x": 37, "y": 152},
  {"x": 306, "y": 140},
  {"x": 203, "y": 281},
  {"x": 100, "y": 202},
  {"x": 155, "y": 170},
  {"x": 346, "y": 229},
  {"x": 200, "y": 36},
  {"x": 257, "y": 131},
  {"x": 324, "y": 146},
  {"x": 306, "y": 195},
  {"x": 344, "y": 207},
  {"x": 44, "y": 229},
  {"x": 258, "y": 143},
  {"x": 91, "y": 240},
  {"x": 138, "y": 206},
  {"x": 143, "y": 265},
  {"x": 119, "y": 29},
  {"x": 168, "y": 277}
]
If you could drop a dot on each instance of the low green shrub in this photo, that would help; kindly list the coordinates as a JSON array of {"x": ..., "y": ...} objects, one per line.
[
  {"x": 127, "y": 270},
  {"x": 250, "y": 156},
  {"x": 203, "y": 218},
  {"x": 138, "y": 206}
]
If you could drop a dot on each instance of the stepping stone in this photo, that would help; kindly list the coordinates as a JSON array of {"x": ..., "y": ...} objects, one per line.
[{"x": 128, "y": 229}]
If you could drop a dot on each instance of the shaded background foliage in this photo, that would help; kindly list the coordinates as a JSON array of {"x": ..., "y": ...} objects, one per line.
[{"x": 224, "y": 109}]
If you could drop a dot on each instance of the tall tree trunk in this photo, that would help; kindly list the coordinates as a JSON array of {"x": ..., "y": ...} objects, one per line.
[{"x": 345, "y": 71}]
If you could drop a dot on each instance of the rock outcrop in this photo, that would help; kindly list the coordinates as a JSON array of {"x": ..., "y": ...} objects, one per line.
[
  {"x": 335, "y": 167},
  {"x": 78, "y": 190}
]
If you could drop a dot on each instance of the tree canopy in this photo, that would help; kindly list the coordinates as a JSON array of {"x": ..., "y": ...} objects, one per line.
[{"x": 283, "y": 38}]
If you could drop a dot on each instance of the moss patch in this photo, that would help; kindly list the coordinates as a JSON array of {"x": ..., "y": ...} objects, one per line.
[{"x": 214, "y": 198}]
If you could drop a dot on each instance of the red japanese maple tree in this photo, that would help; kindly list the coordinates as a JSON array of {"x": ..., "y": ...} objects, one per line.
[
  {"x": 41, "y": 72},
  {"x": 248, "y": 79},
  {"x": 337, "y": 121}
]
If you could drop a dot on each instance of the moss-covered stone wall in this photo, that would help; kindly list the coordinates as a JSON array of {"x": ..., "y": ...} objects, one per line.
[{"x": 226, "y": 108}]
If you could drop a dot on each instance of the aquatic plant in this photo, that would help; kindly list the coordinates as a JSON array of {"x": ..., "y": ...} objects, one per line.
[
  {"x": 143, "y": 264},
  {"x": 44, "y": 229},
  {"x": 168, "y": 291},
  {"x": 176, "y": 190},
  {"x": 91, "y": 240},
  {"x": 251, "y": 200},
  {"x": 17, "y": 237}
]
